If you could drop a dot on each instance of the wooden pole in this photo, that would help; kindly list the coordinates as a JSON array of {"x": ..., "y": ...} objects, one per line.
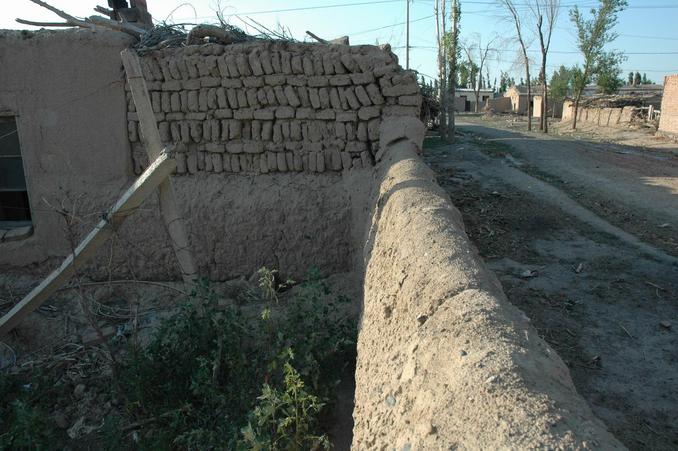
[
  {"x": 407, "y": 44},
  {"x": 149, "y": 132},
  {"x": 146, "y": 184}
]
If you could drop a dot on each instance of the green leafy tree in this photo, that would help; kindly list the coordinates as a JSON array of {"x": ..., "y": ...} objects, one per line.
[
  {"x": 608, "y": 76},
  {"x": 646, "y": 81},
  {"x": 593, "y": 33},
  {"x": 467, "y": 72},
  {"x": 505, "y": 82},
  {"x": 630, "y": 79},
  {"x": 637, "y": 79},
  {"x": 561, "y": 83}
]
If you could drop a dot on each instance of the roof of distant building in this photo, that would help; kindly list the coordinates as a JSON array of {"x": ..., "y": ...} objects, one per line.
[{"x": 522, "y": 89}]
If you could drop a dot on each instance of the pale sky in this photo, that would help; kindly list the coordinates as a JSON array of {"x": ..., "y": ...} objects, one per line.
[{"x": 648, "y": 30}]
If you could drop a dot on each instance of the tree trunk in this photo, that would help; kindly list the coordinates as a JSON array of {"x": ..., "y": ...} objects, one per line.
[
  {"x": 453, "y": 71},
  {"x": 442, "y": 76},
  {"x": 544, "y": 100},
  {"x": 529, "y": 96},
  {"x": 544, "y": 119},
  {"x": 577, "y": 98},
  {"x": 450, "y": 106}
]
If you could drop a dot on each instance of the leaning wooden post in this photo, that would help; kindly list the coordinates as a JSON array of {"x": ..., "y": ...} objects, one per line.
[
  {"x": 150, "y": 135},
  {"x": 144, "y": 186}
]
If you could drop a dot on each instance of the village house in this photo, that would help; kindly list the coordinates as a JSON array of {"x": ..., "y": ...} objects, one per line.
[
  {"x": 554, "y": 108},
  {"x": 465, "y": 99},
  {"x": 518, "y": 95}
]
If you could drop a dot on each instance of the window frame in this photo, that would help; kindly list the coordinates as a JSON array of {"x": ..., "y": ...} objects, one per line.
[{"x": 8, "y": 224}]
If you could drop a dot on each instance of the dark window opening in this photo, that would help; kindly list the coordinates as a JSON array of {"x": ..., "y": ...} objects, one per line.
[{"x": 15, "y": 209}]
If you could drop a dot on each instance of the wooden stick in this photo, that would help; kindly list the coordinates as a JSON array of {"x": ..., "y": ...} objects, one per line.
[
  {"x": 93, "y": 23},
  {"x": 70, "y": 19},
  {"x": 44, "y": 24},
  {"x": 124, "y": 27},
  {"x": 149, "y": 132},
  {"x": 101, "y": 10},
  {"x": 319, "y": 39},
  {"x": 343, "y": 40},
  {"x": 146, "y": 184}
]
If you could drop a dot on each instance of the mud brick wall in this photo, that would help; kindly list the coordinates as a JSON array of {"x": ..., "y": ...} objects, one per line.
[
  {"x": 266, "y": 107},
  {"x": 606, "y": 117},
  {"x": 499, "y": 104},
  {"x": 668, "y": 121}
]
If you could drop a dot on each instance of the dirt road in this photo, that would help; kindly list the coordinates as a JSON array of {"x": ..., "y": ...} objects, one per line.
[
  {"x": 630, "y": 187},
  {"x": 545, "y": 215}
]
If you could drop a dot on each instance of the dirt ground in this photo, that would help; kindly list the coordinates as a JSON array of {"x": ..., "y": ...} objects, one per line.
[
  {"x": 604, "y": 298},
  {"x": 612, "y": 180},
  {"x": 57, "y": 340},
  {"x": 637, "y": 135}
]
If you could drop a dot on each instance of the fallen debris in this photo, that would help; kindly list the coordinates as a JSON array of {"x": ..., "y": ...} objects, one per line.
[{"x": 529, "y": 273}]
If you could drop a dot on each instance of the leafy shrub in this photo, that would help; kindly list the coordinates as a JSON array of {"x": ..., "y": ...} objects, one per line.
[
  {"x": 23, "y": 423},
  {"x": 284, "y": 419},
  {"x": 252, "y": 373},
  {"x": 200, "y": 378}
]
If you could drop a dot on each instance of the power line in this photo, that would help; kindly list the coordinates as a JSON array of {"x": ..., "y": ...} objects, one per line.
[
  {"x": 390, "y": 26},
  {"x": 365, "y": 3},
  {"x": 302, "y": 8},
  {"x": 560, "y": 52},
  {"x": 557, "y": 66},
  {"x": 648, "y": 37},
  {"x": 523, "y": 6}
]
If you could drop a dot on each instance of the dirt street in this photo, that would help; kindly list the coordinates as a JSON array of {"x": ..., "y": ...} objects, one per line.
[
  {"x": 632, "y": 187},
  {"x": 584, "y": 238}
]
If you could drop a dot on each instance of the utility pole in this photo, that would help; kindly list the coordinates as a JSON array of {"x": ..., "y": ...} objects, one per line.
[{"x": 407, "y": 43}]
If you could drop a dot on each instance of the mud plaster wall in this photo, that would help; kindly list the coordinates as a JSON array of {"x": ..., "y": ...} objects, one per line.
[
  {"x": 555, "y": 108},
  {"x": 668, "y": 121},
  {"x": 606, "y": 117},
  {"x": 80, "y": 147},
  {"x": 461, "y": 368},
  {"x": 66, "y": 90},
  {"x": 499, "y": 104}
]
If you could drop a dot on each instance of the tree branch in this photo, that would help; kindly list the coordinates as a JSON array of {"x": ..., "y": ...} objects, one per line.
[
  {"x": 44, "y": 24},
  {"x": 70, "y": 19}
]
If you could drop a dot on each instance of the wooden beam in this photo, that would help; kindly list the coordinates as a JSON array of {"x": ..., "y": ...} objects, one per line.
[
  {"x": 44, "y": 24},
  {"x": 150, "y": 135},
  {"x": 146, "y": 184},
  {"x": 124, "y": 27},
  {"x": 316, "y": 37},
  {"x": 70, "y": 19}
]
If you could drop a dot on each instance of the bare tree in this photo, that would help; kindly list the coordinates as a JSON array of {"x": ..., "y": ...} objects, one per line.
[
  {"x": 515, "y": 16},
  {"x": 442, "y": 68},
  {"x": 452, "y": 44},
  {"x": 546, "y": 15},
  {"x": 477, "y": 54}
]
